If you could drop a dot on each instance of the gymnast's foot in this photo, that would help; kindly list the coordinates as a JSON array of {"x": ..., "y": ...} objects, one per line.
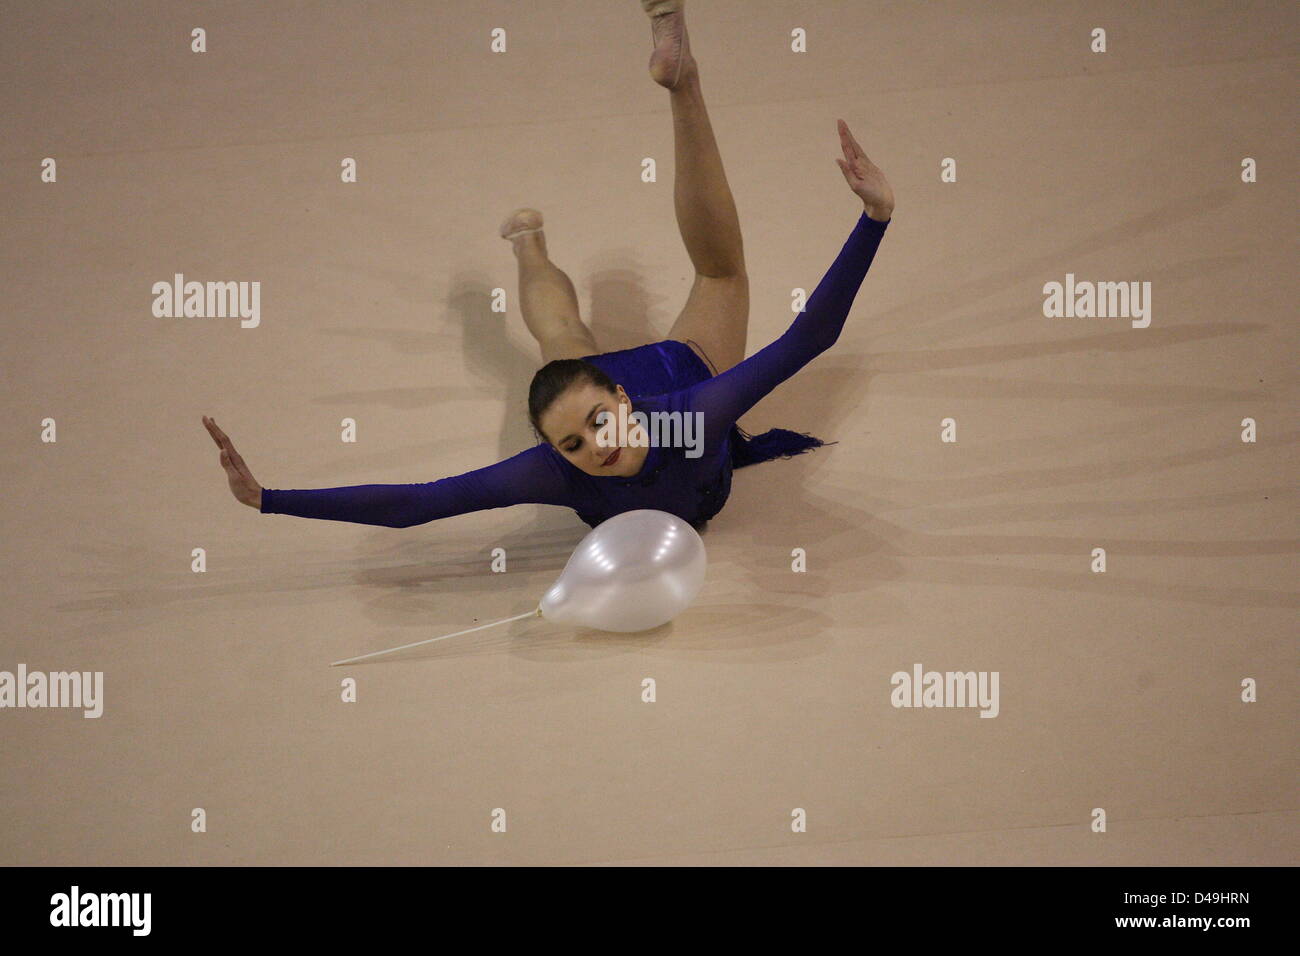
[
  {"x": 522, "y": 223},
  {"x": 671, "y": 61}
]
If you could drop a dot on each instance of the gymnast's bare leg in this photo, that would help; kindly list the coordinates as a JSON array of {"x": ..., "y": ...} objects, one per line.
[
  {"x": 546, "y": 295},
  {"x": 715, "y": 318}
]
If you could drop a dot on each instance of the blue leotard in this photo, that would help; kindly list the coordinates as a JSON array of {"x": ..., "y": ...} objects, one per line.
[{"x": 664, "y": 376}]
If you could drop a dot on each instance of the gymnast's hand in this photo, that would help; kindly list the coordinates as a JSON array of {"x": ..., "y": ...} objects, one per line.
[
  {"x": 242, "y": 483},
  {"x": 865, "y": 178}
]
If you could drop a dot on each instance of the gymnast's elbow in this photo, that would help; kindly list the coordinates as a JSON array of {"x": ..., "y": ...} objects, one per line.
[
  {"x": 407, "y": 520},
  {"x": 821, "y": 341},
  {"x": 827, "y": 341},
  {"x": 811, "y": 338}
]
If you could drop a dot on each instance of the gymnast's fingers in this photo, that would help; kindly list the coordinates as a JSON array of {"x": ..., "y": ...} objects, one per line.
[
  {"x": 217, "y": 434},
  {"x": 856, "y": 148},
  {"x": 238, "y": 459},
  {"x": 211, "y": 426},
  {"x": 223, "y": 440},
  {"x": 845, "y": 139}
]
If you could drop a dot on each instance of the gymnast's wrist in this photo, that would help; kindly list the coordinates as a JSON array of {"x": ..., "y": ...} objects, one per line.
[{"x": 880, "y": 214}]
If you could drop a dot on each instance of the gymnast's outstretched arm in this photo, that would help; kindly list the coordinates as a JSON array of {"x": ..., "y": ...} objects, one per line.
[
  {"x": 724, "y": 398},
  {"x": 532, "y": 476}
]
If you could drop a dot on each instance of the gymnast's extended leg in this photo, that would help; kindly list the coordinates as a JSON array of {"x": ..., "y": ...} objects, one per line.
[
  {"x": 546, "y": 295},
  {"x": 716, "y": 314}
]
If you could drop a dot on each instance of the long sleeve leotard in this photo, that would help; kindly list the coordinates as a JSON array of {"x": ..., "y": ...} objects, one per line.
[{"x": 694, "y": 488}]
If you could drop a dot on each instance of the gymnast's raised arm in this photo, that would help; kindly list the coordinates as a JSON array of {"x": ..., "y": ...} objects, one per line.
[
  {"x": 532, "y": 476},
  {"x": 724, "y": 398}
]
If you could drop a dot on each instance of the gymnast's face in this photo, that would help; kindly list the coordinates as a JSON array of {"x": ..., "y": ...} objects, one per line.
[{"x": 571, "y": 425}]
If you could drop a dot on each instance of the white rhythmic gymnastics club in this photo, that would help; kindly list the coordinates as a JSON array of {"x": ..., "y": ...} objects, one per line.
[{"x": 391, "y": 650}]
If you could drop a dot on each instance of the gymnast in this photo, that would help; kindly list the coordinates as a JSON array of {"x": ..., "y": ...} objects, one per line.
[{"x": 579, "y": 387}]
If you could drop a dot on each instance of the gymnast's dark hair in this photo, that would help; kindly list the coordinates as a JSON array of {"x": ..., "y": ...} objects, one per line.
[{"x": 554, "y": 378}]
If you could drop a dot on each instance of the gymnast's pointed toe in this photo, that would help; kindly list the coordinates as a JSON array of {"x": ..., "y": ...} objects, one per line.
[
  {"x": 521, "y": 222},
  {"x": 672, "y": 58}
]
